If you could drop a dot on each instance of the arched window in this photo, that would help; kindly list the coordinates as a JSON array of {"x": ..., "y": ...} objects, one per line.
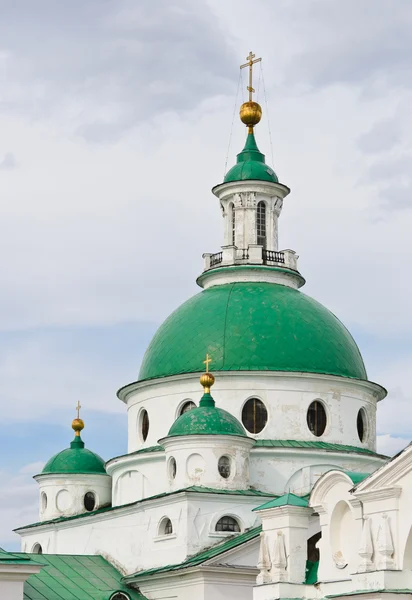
[
  {"x": 165, "y": 527},
  {"x": 120, "y": 596},
  {"x": 189, "y": 405},
  {"x": 316, "y": 418},
  {"x": 43, "y": 501},
  {"x": 261, "y": 224},
  {"x": 37, "y": 549},
  {"x": 227, "y": 524},
  {"x": 233, "y": 222},
  {"x": 254, "y": 415}
]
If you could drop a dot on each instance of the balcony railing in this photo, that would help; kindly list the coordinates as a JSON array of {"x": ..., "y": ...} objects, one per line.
[
  {"x": 215, "y": 259},
  {"x": 254, "y": 255},
  {"x": 273, "y": 256}
]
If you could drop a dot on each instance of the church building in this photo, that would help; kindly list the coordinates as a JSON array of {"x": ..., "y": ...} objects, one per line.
[{"x": 251, "y": 471}]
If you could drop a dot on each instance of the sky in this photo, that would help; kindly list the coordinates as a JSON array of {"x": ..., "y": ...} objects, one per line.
[{"x": 116, "y": 121}]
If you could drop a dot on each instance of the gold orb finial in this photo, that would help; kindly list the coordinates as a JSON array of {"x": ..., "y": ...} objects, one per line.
[
  {"x": 78, "y": 423},
  {"x": 207, "y": 379},
  {"x": 250, "y": 112}
]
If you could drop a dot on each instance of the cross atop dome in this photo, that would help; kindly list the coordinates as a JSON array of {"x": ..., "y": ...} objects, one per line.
[{"x": 250, "y": 64}]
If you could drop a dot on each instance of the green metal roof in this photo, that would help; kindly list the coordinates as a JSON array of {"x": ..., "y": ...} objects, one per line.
[
  {"x": 8, "y": 558},
  {"x": 251, "y": 164},
  {"x": 205, "y": 555},
  {"x": 192, "y": 489},
  {"x": 252, "y": 327},
  {"x": 356, "y": 477},
  {"x": 75, "y": 460},
  {"x": 206, "y": 419},
  {"x": 327, "y": 446},
  {"x": 66, "y": 577},
  {"x": 141, "y": 451},
  {"x": 288, "y": 499}
]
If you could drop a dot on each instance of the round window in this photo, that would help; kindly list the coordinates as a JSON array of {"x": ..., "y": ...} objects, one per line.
[
  {"x": 43, "y": 501},
  {"x": 224, "y": 467},
  {"x": 89, "y": 501},
  {"x": 144, "y": 424},
  {"x": 189, "y": 405},
  {"x": 316, "y": 418},
  {"x": 254, "y": 415},
  {"x": 172, "y": 468},
  {"x": 361, "y": 425}
]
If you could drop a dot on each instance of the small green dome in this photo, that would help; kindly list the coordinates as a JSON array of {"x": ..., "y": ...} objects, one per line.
[
  {"x": 75, "y": 460},
  {"x": 251, "y": 326},
  {"x": 251, "y": 164},
  {"x": 206, "y": 419}
]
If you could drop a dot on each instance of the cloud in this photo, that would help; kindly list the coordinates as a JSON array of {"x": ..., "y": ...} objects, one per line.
[
  {"x": 111, "y": 66},
  {"x": 19, "y": 504},
  {"x": 367, "y": 44},
  {"x": 390, "y": 445},
  {"x": 8, "y": 162},
  {"x": 382, "y": 137}
]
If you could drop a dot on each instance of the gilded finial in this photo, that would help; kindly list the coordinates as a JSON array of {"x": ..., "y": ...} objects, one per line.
[
  {"x": 250, "y": 112},
  {"x": 78, "y": 423},
  {"x": 207, "y": 379}
]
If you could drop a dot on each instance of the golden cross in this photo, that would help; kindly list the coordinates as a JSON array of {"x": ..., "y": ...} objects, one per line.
[
  {"x": 206, "y": 362},
  {"x": 250, "y": 64},
  {"x": 78, "y": 407}
]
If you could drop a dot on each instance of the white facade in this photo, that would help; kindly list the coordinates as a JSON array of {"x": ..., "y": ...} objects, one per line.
[
  {"x": 64, "y": 495},
  {"x": 168, "y": 499}
]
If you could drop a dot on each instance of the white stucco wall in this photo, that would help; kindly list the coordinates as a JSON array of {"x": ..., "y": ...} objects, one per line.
[
  {"x": 129, "y": 537},
  {"x": 63, "y": 495},
  {"x": 286, "y": 396}
]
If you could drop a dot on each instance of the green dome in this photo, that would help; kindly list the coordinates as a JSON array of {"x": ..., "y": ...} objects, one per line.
[
  {"x": 75, "y": 460},
  {"x": 251, "y": 164},
  {"x": 252, "y": 327},
  {"x": 206, "y": 419}
]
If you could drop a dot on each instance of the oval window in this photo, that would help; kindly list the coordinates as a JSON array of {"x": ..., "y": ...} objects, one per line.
[
  {"x": 316, "y": 418},
  {"x": 361, "y": 425},
  {"x": 43, "y": 501},
  {"x": 172, "y": 468},
  {"x": 227, "y": 524},
  {"x": 144, "y": 424},
  {"x": 89, "y": 501},
  {"x": 254, "y": 415},
  {"x": 224, "y": 467},
  {"x": 189, "y": 405}
]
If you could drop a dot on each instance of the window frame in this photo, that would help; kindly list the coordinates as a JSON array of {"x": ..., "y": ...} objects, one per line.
[{"x": 242, "y": 419}]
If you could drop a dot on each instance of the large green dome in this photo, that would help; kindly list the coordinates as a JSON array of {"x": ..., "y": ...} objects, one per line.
[
  {"x": 252, "y": 327},
  {"x": 75, "y": 460}
]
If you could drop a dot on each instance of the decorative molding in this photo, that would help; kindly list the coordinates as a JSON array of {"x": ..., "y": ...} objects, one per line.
[
  {"x": 385, "y": 545},
  {"x": 366, "y": 548},
  {"x": 264, "y": 563},
  {"x": 279, "y": 559}
]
